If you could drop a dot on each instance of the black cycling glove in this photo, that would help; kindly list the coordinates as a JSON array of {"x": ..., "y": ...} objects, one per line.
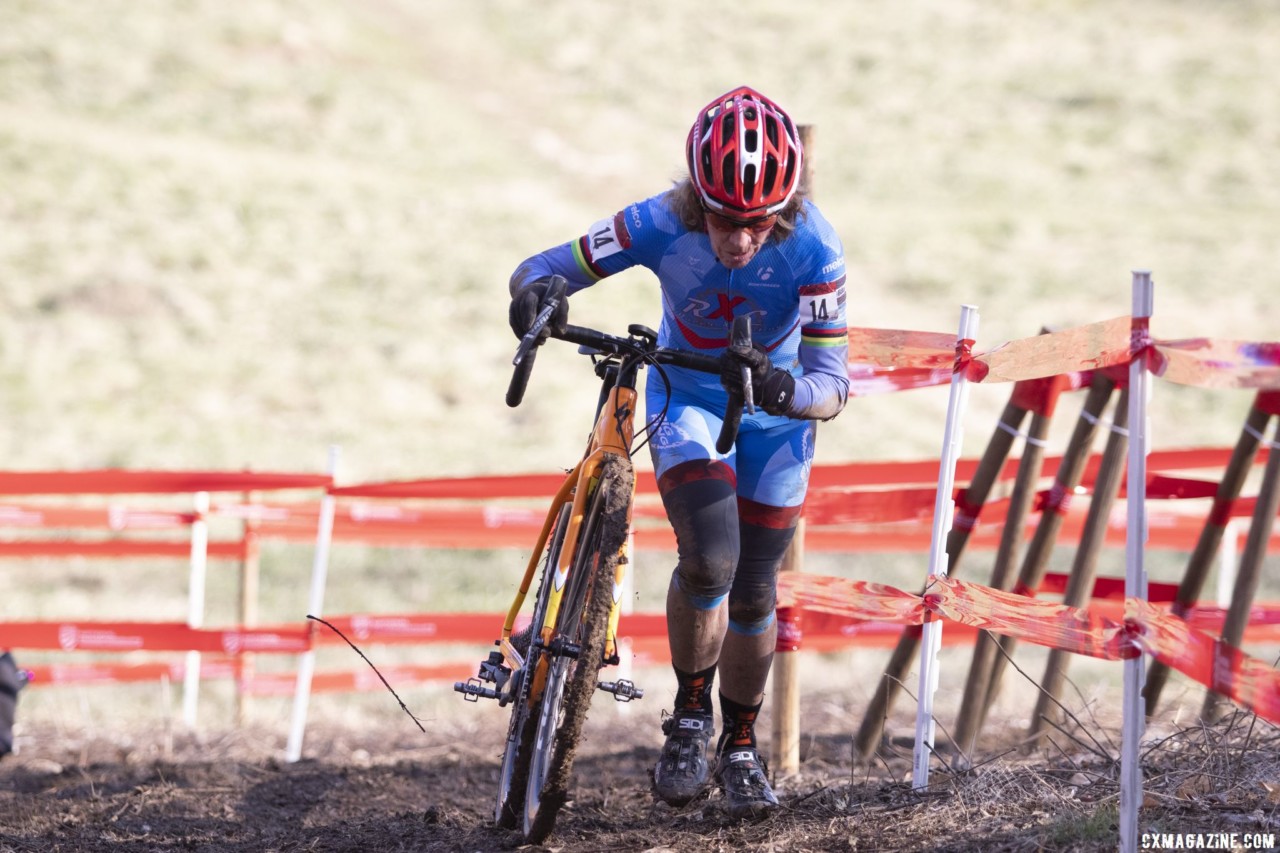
[
  {"x": 526, "y": 305},
  {"x": 771, "y": 389}
]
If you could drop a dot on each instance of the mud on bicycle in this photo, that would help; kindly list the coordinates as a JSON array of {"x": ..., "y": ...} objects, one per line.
[{"x": 547, "y": 672}]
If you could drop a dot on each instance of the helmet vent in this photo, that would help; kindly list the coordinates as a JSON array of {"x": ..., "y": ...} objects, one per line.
[
  {"x": 753, "y": 140},
  {"x": 771, "y": 131},
  {"x": 770, "y": 174},
  {"x": 749, "y": 181},
  {"x": 726, "y": 175}
]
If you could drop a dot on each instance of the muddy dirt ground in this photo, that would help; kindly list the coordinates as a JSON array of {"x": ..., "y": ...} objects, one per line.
[{"x": 391, "y": 787}]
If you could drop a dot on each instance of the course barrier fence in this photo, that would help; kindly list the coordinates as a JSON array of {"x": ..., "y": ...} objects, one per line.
[{"x": 852, "y": 507}]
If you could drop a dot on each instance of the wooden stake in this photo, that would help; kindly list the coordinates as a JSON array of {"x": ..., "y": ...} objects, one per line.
[
  {"x": 786, "y": 679},
  {"x": 1084, "y": 569},
  {"x": 1210, "y": 540},
  {"x": 1037, "y": 557},
  {"x": 1255, "y": 550},
  {"x": 249, "y": 576},
  {"x": 1011, "y": 540}
]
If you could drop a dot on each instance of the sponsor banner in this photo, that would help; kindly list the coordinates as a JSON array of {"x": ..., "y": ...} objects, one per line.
[
  {"x": 69, "y": 636},
  {"x": 113, "y": 517},
  {"x": 118, "y": 482},
  {"x": 126, "y": 673},
  {"x": 120, "y": 548}
]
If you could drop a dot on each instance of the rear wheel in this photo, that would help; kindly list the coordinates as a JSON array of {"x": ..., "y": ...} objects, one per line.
[
  {"x": 514, "y": 775},
  {"x": 583, "y": 620}
]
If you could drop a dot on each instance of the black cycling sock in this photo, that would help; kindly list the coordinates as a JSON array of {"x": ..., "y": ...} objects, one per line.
[
  {"x": 739, "y": 724},
  {"x": 693, "y": 689}
]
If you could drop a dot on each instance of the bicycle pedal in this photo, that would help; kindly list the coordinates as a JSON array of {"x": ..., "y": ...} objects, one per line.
[
  {"x": 472, "y": 690},
  {"x": 622, "y": 689},
  {"x": 495, "y": 671}
]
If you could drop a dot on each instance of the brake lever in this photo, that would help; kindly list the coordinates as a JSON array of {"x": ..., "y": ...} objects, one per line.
[
  {"x": 740, "y": 341},
  {"x": 530, "y": 340}
]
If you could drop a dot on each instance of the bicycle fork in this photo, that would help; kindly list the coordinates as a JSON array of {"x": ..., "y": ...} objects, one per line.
[
  {"x": 507, "y": 666},
  {"x": 623, "y": 690}
]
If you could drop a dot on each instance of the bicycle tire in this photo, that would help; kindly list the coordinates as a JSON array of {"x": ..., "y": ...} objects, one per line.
[
  {"x": 572, "y": 682},
  {"x": 514, "y": 772}
]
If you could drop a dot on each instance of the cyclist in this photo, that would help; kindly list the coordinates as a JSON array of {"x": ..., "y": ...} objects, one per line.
[{"x": 736, "y": 237}]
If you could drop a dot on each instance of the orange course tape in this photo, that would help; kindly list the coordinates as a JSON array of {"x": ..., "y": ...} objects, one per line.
[{"x": 815, "y": 613}]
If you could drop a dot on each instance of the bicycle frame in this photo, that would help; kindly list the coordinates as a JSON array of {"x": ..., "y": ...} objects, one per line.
[{"x": 613, "y": 432}]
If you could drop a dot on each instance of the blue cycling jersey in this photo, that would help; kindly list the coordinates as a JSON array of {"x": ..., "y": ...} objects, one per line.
[{"x": 792, "y": 289}]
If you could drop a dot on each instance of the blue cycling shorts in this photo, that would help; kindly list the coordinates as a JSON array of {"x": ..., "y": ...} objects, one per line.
[{"x": 771, "y": 459}]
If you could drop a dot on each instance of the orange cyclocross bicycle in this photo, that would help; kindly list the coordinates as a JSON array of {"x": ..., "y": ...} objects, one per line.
[{"x": 548, "y": 672}]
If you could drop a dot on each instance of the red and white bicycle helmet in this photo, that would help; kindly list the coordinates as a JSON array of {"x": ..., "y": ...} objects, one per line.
[{"x": 744, "y": 154}]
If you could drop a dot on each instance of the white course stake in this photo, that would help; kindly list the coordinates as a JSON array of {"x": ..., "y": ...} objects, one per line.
[
  {"x": 307, "y": 662},
  {"x": 943, "y": 507},
  {"x": 195, "y": 606},
  {"x": 1135, "y": 576},
  {"x": 1228, "y": 562}
]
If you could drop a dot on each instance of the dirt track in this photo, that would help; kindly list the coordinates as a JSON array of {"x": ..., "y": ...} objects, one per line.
[{"x": 383, "y": 790}]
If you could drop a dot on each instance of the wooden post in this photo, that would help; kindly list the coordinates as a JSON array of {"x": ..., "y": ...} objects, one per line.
[
  {"x": 1255, "y": 550},
  {"x": 984, "y": 650},
  {"x": 785, "y": 673},
  {"x": 786, "y": 680},
  {"x": 1084, "y": 568},
  {"x": 249, "y": 572},
  {"x": 1210, "y": 540},
  {"x": 974, "y": 496},
  {"x": 195, "y": 605},
  {"x": 1037, "y": 557},
  {"x": 806, "y": 164}
]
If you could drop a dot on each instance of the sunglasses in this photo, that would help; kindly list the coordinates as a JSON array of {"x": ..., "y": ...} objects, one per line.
[{"x": 759, "y": 225}]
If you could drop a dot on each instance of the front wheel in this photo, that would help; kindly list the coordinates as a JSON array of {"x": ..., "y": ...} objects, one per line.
[
  {"x": 584, "y": 621},
  {"x": 514, "y": 775}
]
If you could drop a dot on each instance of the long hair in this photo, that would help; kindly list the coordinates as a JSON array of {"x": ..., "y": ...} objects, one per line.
[{"x": 687, "y": 205}]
